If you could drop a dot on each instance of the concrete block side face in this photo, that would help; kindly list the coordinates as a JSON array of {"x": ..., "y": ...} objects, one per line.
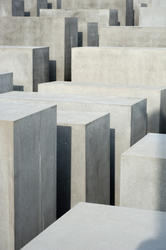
[
  {"x": 6, "y": 186},
  {"x": 78, "y": 163},
  {"x": 129, "y": 13},
  {"x": 138, "y": 121},
  {"x": 6, "y": 82},
  {"x": 98, "y": 161},
  {"x": 143, "y": 183},
  {"x": 64, "y": 134},
  {"x": 163, "y": 112},
  {"x": 113, "y": 19},
  {"x": 93, "y": 36},
  {"x": 40, "y": 66},
  {"x": 17, "y": 7},
  {"x": 71, "y": 40}
]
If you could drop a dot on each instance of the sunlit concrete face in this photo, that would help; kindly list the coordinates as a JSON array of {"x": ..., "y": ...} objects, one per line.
[
  {"x": 143, "y": 173},
  {"x": 152, "y": 16}
]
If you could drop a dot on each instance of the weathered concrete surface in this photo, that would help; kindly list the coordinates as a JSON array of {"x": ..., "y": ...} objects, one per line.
[
  {"x": 83, "y": 159},
  {"x": 27, "y": 32},
  {"x": 143, "y": 174},
  {"x": 100, "y": 4},
  {"x": 152, "y": 16},
  {"x": 11, "y": 8},
  {"x": 156, "y": 97},
  {"x": 100, "y": 16},
  {"x": 88, "y": 226},
  {"x": 54, "y": 3},
  {"x": 34, "y": 6},
  {"x": 6, "y": 82},
  {"x": 27, "y": 171},
  {"x": 132, "y": 36},
  {"x": 93, "y": 35},
  {"x": 137, "y": 5},
  {"x": 125, "y": 126},
  {"x": 125, "y": 66},
  {"x": 29, "y": 65}
]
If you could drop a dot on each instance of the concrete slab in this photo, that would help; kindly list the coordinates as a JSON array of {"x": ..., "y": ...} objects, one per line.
[
  {"x": 27, "y": 172},
  {"x": 125, "y": 126},
  {"x": 62, "y": 37},
  {"x": 137, "y": 5},
  {"x": 6, "y": 82},
  {"x": 34, "y": 6},
  {"x": 96, "y": 227},
  {"x": 30, "y": 65},
  {"x": 11, "y": 8},
  {"x": 152, "y": 16},
  {"x": 156, "y": 97},
  {"x": 143, "y": 174},
  {"x": 100, "y": 16},
  {"x": 83, "y": 170},
  {"x": 127, "y": 66},
  {"x": 132, "y": 36}
]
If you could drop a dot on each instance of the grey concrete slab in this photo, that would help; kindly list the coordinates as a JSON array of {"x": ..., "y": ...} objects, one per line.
[
  {"x": 100, "y": 16},
  {"x": 120, "y": 5},
  {"x": 137, "y": 5},
  {"x": 129, "y": 12},
  {"x": 30, "y": 65},
  {"x": 114, "y": 17},
  {"x": 96, "y": 227},
  {"x": 125, "y": 126},
  {"x": 27, "y": 171},
  {"x": 132, "y": 36},
  {"x": 143, "y": 174},
  {"x": 152, "y": 16},
  {"x": 27, "y": 32},
  {"x": 156, "y": 97},
  {"x": 93, "y": 35},
  {"x": 6, "y": 82},
  {"x": 11, "y": 8},
  {"x": 83, "y": 169},
  {"x": 128, "y": 66}
]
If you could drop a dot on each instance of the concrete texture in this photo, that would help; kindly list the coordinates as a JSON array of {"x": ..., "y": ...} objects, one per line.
[
  {"x": 30, "y": 65},
  {"x": 127, "y": 66},
  {"x": 125, "y": 126},
  {"x": 156, "y": 97},
  {"x": 129, "y": 12},
  {"x": 62, "y": 37},
  {"x": 120, "y": 5},
  {"x": 83, "y": 159},
  {"x": 100, "y": 16},
  {"x": 152, "y": 16},
  {"x": 27, "y": 172},
  {"x": 132, "y": 36},
  {"x": 143, "y": 174},
  {"x": 11, "y": 8},
  {"x": 137, "y": 5},
  {"x": 6, "y": 82},
  {"x": 93, "y": 35},
  {"x": 96, "y": 227},
  {"x": 34, "y": 6}
]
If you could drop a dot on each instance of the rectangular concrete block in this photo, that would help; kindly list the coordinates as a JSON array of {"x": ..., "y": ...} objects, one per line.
[
  {"x": 6, "y": 82},
  {"x": 125, "y": 126},
  {"x": 125, "y": 66},
  {"x": 100, "y": 16},
  {"x": 26, "y": 31},
  {"x": 132, "y": 36},
  {"x": 34, "y": 6},
  {"x": 137, "y": 6},
  {"x": 152, "y": 16},
  {"x": 27, "y": 171},
  {"x": 114, "y": 17},
  {"x": 11, "y": 8},
  {"x": 143, "y": 174},
  {"x": 93, "y": 35},
  {"x": 156, "y": 97},
  {"x": 89, "y": 226},
  {"x": 30, "y": 65},
  {"x": 83, "y": 170}
]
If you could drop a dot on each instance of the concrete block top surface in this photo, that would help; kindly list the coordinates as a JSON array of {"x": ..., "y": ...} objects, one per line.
[
  {"x": 97, "y": 227},
  {"x": 12, "y": 110},
  {"x": 151, "y": 146},
  {"x": 78, "y": 118},
  {"x": 22, "y": 47}
]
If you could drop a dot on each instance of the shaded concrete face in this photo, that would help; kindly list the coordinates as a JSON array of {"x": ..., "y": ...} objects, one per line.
[
  {"x": 6, "y": 82},
  {"x": 84, "y": 16},
  {"x": 29, "y": 65},
  {"x": 156, "y": 97},
  {"x": 94, "y": 224},
  {"x": 26, "y": 182},
  {"x": 62, "y": 37},
  {"x": 101, "y": 4},
  {"x": 132, "y": 36},
  {"x": 140, "y": 187},
  {"x": 128, "y": 66},
  {"x": 152, "y": 16},
  {"x": 125, "y": 125}
]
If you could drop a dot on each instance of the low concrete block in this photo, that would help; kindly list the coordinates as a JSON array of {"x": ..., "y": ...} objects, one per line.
[
  {"x": 125, "y": 126},
  {"x": 63, "y": 36},
  {"x": 152, "y": 16},
  {"x": 27, "y": 171},
  {"x": 143, "y": 174},
  {"x": 89, "y": 226},
  {"x": 6, "y": 82},
  {"x": 83, "y": 159},
  {"x": 30, "y": 65},
  {"x": 156, "y": 97},
  {"x": 125, "y": 66}
]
